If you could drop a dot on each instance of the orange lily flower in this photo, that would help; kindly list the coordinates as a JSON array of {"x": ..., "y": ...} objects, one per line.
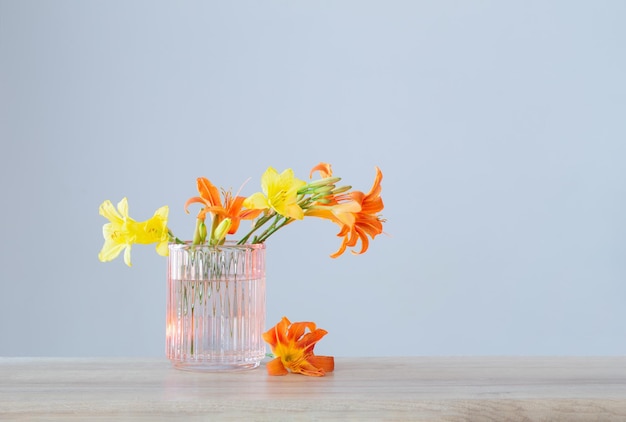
[
  {"x": 367, "y": 221},
  {"x": 355, "y": 212},
  {"x": 293, "y": 348},
  {"x": 232, "y": 208}
]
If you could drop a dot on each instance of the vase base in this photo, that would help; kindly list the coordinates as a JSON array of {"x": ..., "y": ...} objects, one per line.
[{"x": 215, "y": 366}]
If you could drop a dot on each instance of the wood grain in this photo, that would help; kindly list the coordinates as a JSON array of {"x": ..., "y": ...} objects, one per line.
[{"x": 412, "y": 388}]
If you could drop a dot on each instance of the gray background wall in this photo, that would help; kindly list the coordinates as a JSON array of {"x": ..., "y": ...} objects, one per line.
[{"x": 499, "y": 127}]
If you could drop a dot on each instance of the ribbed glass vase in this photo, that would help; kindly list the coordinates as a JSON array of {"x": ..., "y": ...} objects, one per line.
[{"x": 215, "y": 306}]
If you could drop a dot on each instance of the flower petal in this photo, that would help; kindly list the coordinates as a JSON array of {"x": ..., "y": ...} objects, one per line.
[
  {"x": 122, "y": 207},
  {"x": 268, "y": 179},
  {"x": 256, "y": 201},
  {"x": 297, "y": 330},
  {"x": 325, "y": 363},
  {"x": 306, "y": 368},
  {"x": 208, "y": 191},
  {"x": 324, "y": 169},
  {"x": 108, "y": 211},
  {"x": 307, "y": 342},
  {"x": 127, "y": 256},
  {"x": 292, "y": 211},
  {"x": 162, "y": 248},
  {"x": 276, "y": 367},
  {"x": 110, "y": 251}
]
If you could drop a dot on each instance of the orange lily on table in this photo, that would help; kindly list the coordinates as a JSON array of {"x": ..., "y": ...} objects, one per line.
[{"x": 292, "y": 347}]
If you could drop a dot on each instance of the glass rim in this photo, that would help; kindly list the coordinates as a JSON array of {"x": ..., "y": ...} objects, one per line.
[{"x": 229, "y": 244}]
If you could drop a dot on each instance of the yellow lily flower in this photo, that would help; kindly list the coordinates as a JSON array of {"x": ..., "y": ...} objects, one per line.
[
  {"x": 122, "y": 231},
  {"x": 280, "y": 193}
]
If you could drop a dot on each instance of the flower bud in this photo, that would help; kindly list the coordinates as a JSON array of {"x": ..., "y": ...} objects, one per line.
[
  {"x": 311, "y": 186},
  {"x": 341, "y": 189},
  {"x": 323, "y": 190},
  {"x": 325, "y": 181},
  {"x": 200, "y": 233},
  {"x": 220, "y": 231},
  {"x": 202, "y": 230}
]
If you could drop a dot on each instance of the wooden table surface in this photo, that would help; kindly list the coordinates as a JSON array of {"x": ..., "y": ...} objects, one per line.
[{"x": 412, "y": 388}]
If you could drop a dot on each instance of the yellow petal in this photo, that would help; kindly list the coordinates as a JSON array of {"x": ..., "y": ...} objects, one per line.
[
  {"x": 268, "y": 178},
  {"x": 293, "y": 211},
  {"x": 110, "y": 251},
  {"x": 162, "y": 212},
  {"x": 122, "y": 207},
  {"x": 108, "y": 211},
  {"x": 127, "y": 256},
  {"x": 162, "y": 248},
  {"x": 256, "y": 201}
]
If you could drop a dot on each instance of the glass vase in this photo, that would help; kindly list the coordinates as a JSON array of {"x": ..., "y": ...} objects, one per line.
[{"x": 215, "y": 306}]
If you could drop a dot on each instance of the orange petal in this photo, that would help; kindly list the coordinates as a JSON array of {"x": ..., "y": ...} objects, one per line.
[
  {"x": 324, "y": 169},
  {"x": 364, "y": 242},
  {"x": 270, "y": 338},
  {"x": 322, "y": 213},
  {"x": 339, "y": 251},
  {"x": 309, "y": 339},
  {"x": 306, "y": 368},
  {"x": 372, "y": 205},
  {"x": 375, "y": 191},
  {"x": 208, "y": 191},
  {"x": 195, "y": 199},
  {"x": 234, "y": 204},
  {"x": 278, "y": 333},
  {"x": 250, "y": 214},
  {"x": 371, "y": 225},
  {"x": 297, "y": 329},
  {"x": 275, "y": 367},
  {"x": 325, "y": 363}
]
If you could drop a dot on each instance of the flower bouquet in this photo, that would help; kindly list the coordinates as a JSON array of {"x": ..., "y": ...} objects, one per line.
[{"x": 216, "y": 285}]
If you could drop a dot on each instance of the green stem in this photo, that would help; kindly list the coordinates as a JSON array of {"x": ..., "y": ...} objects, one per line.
[
  {"x": 273, "y": 229},
  {"x": 215, "y": 222},
  {"x": 193, "y": 334},
  {"x": 260, "y": 223},
  {"x": 173, "y": 238}
]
